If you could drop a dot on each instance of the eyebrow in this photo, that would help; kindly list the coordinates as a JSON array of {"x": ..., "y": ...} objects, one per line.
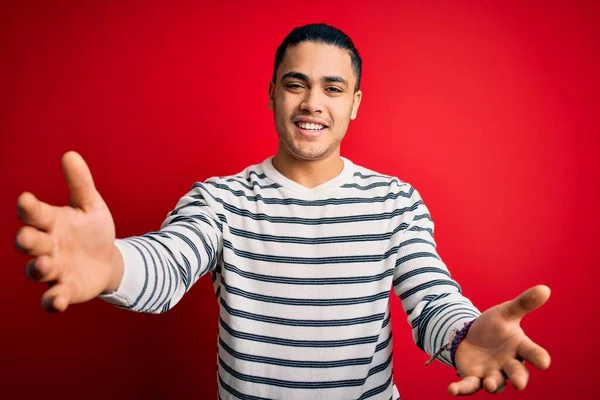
[{"x": 304, "y": 78}]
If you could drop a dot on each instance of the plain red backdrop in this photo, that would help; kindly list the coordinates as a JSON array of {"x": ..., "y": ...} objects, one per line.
[{"x": 489, "y": 108}]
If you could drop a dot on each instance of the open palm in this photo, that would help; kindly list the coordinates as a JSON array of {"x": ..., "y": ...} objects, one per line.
[
  {"x": 73, "y": 245},
  {"x": 496, "y": 347}
]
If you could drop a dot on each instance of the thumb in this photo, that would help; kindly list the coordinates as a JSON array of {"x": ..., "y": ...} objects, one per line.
[
  {"x": 81, "y": 184},
  {"x": 528, "y": 301}
]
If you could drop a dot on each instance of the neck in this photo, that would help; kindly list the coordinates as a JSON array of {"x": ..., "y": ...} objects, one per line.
[{"x": 308, "y": 173}]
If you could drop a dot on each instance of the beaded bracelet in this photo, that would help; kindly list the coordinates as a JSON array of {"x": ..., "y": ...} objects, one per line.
[
  {"x": 459, "y": 338},
  {"x": 455, "y": 339}
]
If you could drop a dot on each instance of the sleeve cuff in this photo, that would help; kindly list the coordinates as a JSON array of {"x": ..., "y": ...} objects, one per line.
[
  {"x": 129, "y": 292},
  {"x": 445, "y": 356}
]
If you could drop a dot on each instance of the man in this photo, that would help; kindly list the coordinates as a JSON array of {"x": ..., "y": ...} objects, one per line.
[{"x": 303, "y": 250}]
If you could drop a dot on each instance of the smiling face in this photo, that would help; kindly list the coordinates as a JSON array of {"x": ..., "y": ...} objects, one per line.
[{"x": 313, "y": 100}]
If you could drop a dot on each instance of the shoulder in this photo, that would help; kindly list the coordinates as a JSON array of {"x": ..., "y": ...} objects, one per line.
[
  {"x": 244, "y": 182},
  {"x": 367, "y": 179}
]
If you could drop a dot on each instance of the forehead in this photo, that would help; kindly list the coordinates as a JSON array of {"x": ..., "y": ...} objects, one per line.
[{"x": 317, "y": 60}]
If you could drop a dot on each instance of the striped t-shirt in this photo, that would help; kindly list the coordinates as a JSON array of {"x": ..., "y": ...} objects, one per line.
[{"x": 303, "y": 279}]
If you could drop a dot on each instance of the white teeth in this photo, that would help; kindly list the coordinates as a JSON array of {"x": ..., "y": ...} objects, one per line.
[{"x": 310, "y": 126}]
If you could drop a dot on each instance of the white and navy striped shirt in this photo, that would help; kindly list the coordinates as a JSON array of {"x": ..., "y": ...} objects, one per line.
[{"x": 303, "y": 279}]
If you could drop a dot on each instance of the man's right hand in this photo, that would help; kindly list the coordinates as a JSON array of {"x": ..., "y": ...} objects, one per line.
[{"x": 73, "y": 246}]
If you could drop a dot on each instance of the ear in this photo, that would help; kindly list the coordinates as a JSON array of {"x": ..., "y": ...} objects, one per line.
[
  {"x": 271, "y": 95},
  {"x": 356, "y": 104}
]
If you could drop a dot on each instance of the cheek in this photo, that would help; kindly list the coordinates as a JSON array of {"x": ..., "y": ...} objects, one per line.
[
  {"x": 282, "y": 109},
  {"x": 341, "y": 116},
  {"x": 284, "y": 100}
]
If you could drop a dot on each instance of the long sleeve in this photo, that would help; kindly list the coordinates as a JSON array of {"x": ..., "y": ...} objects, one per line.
[
  {"x": 432, "y": 300},
  {"x": 161, "y": 266}
]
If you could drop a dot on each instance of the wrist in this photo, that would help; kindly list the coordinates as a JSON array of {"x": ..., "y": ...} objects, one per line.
[
  {"x": 116, "y": 271},
  {"x": 460, "y": 336}
]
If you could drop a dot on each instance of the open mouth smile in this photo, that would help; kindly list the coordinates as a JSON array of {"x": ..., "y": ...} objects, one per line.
[{"x": 310, "y": 128}]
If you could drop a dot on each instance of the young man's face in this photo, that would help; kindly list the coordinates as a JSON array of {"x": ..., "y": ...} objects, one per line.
[{"x": 313, "y": 100}]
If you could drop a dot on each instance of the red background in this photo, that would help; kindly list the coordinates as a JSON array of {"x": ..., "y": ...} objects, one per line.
[{"x": 489, "y": 108}]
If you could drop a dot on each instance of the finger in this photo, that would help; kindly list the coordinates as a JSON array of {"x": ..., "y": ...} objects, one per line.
[
  {"x": 33, "y": 242},
  {"x": 467, "y": 385},
  {"x": 528, "y": 301},
  {"x": 56, "y": 299},
  {"x": 42, "y": 269},
  {"x": 534, "y": 353},
  {"x": 34, "y": 212},
  {"x": 500, "y": 389},
  {"x": 517, "y": 373},
  {"x": 494, "y": 381},
  {"x": 81, "y": 184}
]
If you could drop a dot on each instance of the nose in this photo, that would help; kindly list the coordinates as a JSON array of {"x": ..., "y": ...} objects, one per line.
[{"x": 312, "y": 102}]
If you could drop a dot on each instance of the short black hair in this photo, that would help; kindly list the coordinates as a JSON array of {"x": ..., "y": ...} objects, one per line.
[{"x": 322, "y": 34}]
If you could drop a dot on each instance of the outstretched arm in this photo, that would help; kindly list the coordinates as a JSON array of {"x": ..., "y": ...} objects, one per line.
[
  {"x": 74, "y": 248},
  {"x": 161, "y": 266},
  {"x": 432, "y": 300},
  {"x": 494, "y": 347}
]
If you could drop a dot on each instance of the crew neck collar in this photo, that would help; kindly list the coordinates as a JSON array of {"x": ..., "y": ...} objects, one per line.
[{"x": 318, "y": 190}]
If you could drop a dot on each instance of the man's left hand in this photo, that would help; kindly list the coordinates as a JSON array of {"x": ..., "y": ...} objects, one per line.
[{"x": 496, "y": 348}]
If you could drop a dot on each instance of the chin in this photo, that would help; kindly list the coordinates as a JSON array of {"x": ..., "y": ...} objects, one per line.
[
  {"x": 308, "y": 154},
  {"x": 298, "y": 148}
]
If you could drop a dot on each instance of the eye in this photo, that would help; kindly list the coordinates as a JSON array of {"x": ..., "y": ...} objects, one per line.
[
  {"x": 294, "y": 86},
  {"x": 334, "y": 89}
]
